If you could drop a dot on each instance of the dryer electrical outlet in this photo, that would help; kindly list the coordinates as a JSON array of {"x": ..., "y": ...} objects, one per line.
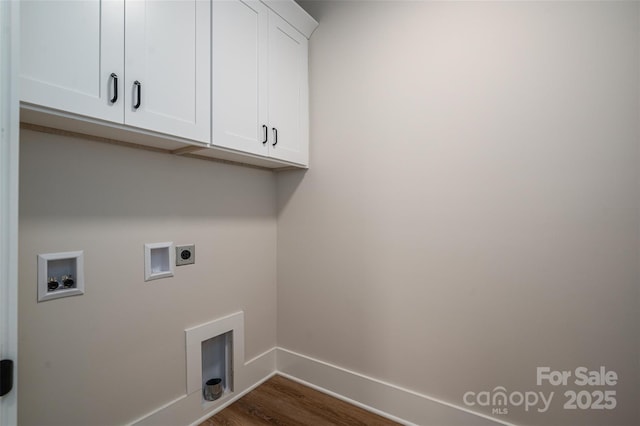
[{"x": 185, "y": 255}]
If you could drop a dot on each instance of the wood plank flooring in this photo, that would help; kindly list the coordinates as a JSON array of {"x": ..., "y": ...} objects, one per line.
[{"x": 280, "y": 401}]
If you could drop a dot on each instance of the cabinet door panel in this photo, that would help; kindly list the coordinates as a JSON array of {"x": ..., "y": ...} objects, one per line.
[
  {"x": 168, "y": 53},
  {"x": 288, "y": 90},
  {"x": 239, "y": 75},
  {"x": 68, "y": 51}
]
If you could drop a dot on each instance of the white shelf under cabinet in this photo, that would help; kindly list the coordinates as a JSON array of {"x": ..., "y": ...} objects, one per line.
[{"x": 41, "y": 119}]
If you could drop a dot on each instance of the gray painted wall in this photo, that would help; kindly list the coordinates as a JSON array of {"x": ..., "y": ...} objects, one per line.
[
  {"x": 118, "y": 352},
  {"x": 471, "y": 210}
]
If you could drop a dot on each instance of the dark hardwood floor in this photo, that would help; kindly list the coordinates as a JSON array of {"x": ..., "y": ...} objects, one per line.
[{"x": 280, "y": 401}]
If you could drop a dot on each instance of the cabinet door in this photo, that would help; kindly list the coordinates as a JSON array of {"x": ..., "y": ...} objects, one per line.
[
  {"x": 167, "y": 67},
  {"x": 240, "y": 75},
  {"x": 68, "y": 51},
  {"x": 288, "y": 91}
]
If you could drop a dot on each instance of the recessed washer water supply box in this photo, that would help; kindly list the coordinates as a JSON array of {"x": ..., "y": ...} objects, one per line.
[{"x": 60, "y": 275}]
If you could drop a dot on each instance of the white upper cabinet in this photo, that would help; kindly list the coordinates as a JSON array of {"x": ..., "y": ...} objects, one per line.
[
  {"x": 167, "y": 66},
  {"x": 224, "y": 79},
  {"x": 69, "y": 50},
  {"x": 76, "y": 58},
  {"x": 288, "y": 92},
  {"x": 260, "y": 81},
  {"x": 240, "y": 75}
]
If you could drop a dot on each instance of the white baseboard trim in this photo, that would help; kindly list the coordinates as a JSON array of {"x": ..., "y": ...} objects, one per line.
[
  {"x": 391, "y": 401},
  {"x": 189, "y": 409},
  {"x": 345, "y": 399},
  {"x": 401, "y": 405}
]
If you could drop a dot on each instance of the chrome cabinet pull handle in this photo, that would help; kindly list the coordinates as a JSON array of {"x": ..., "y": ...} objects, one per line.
[
  {"x": 138, "y": 86},
  {"x": 114, "y": 77}
]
